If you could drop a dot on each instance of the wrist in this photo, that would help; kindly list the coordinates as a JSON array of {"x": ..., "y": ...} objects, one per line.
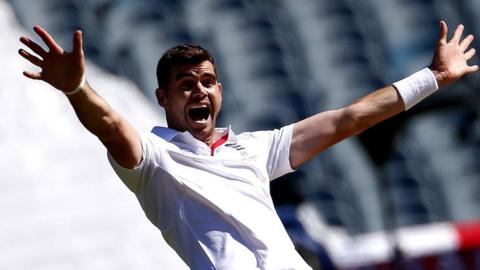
[
  {"x": 77, "y": 89},
  {"x": 417, "y": 87},
  {"x": 438, "y": 76}
]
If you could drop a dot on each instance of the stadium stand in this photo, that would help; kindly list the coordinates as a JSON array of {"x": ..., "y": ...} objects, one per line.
[
  {"x": 450, "y": 146},
  {"x": 280, "y": 61},
  {"x": 407, "y": 50}
]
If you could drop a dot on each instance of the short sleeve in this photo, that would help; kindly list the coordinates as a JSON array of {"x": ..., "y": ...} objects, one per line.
[
  {"x": 134, "y": 178},
  {"x": 278, "y": 160}
]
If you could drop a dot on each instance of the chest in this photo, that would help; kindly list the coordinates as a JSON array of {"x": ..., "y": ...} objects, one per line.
[{"x": 240, "y": 167}]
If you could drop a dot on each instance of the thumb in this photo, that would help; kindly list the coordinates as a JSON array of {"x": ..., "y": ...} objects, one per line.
[{"x": 78, "y": 42}]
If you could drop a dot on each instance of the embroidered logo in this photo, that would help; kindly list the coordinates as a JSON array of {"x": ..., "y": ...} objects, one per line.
[
  {"x": 243, "y": 152},
  {"x": 235, "y": 146}
]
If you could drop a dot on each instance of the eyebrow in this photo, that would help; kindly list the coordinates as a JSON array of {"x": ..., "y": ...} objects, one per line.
[
  {"x": 185, "y": 74},
  {"x": 193, "y": 74}
]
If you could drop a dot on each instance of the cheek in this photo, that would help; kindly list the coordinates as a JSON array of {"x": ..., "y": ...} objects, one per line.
[
  {"x": 176, "y": 105},
  {"x": 215, "y": 94},
  {"x": 217, "y": 100},
  {"x": 180, "y": 99}
]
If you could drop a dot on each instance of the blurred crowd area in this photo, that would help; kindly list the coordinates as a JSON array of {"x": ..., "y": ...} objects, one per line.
[{"x": 282, "y": 60}]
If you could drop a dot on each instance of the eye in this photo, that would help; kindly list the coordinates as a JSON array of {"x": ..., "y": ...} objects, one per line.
[
  {"x": 187, "y": 85},
  {"x": 209, "y": 83}
]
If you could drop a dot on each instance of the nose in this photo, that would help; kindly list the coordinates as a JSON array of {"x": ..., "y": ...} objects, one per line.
[{"x": 199, "y": 91}]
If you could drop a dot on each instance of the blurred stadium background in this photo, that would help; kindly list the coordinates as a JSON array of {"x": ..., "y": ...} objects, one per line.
[{"x": 403, "y": 195}]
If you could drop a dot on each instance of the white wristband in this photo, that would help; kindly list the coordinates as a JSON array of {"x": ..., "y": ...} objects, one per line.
[
  {"x": 416, "y": 87},
  {"x": 78, "y": 88}
]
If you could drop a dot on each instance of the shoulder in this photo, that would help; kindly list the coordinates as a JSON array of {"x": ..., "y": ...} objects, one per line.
[
  {"x": 155, "y": 147},
  {"x": 264, "y": 140},
  {"x": 266, "y": 135}
]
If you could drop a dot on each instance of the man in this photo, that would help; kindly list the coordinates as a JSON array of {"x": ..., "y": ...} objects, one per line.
[{"x": 207, "y": 189}]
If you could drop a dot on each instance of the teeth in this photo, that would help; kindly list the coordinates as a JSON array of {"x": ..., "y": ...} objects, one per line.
[
  {"x": 197, "y": 107},
  {"x": 199, "y": 113}
]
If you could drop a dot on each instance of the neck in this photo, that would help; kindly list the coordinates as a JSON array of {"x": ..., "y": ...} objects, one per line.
[{"x": 208, "y": 139}]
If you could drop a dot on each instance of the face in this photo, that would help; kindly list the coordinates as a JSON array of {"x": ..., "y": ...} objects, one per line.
[{"x": 192, "y": 99}]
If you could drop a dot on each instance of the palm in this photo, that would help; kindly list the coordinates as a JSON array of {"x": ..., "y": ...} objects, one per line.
[
  {"x": 450, "y": 59},
  {"x": 63, "y": 70}
]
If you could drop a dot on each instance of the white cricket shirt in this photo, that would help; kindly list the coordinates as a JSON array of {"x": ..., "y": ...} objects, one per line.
[{"x": 214, "y": 207}]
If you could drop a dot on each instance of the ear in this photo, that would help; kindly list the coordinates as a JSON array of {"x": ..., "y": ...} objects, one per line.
[
  {"x": 161, "y": 96},
  {"x": 221, "y": 95}
]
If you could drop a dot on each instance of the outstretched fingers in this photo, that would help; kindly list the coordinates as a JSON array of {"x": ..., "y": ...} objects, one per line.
[
  {"x": 443, "y": 32},
  {"x": 78, "y": 42},
  {"x": 451, "y": 57},
  {"x": 470, "y": 54},
  {"x": 464, "y": 45},
  {"x": 33, "y": 46},
  {"x": 457, "y": 35},
  {"x": 471, "y": 69},
  {"x": 31, "y": 58},
  {"x": 466, "y": 42},
  {"x": 49, "y": 41},
  {"x": 32, "y": 75}
]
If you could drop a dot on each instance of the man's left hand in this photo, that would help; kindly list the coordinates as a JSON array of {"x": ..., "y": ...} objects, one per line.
[{"x": 450, "y": 59}]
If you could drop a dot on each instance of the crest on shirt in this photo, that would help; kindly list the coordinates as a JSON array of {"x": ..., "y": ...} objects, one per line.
[
  {"x": 235, "y": 146},
  {"x": 243, "y": 152}
]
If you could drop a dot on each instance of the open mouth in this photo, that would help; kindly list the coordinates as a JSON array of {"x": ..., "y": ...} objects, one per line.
[{"x": 199, "y": 114}]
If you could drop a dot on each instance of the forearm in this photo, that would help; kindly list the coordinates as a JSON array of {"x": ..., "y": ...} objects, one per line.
[
  {"x": 391, "y": 100},
  {"x": 318, "y": 132},
  {"x": 371, "y": 109},
  {"x": 95, "y": 113},
  {"x": 118, "y": 136}
]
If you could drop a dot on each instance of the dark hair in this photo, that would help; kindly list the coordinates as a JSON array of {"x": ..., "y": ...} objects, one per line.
[{"x": 180, "y": 55}]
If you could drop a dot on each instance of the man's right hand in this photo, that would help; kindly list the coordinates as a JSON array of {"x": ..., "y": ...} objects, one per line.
[{"x": 63, "y": 70}]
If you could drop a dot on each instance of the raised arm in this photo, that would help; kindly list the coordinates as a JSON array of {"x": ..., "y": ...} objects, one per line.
[
  {"x": 316, "y": 133},
  {"x": 65, "y": 71}
]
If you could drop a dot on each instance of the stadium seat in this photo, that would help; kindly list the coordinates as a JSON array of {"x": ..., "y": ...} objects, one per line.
[
  {"x": 440, "y": 138},
  {"x": 280, "y": 61}
]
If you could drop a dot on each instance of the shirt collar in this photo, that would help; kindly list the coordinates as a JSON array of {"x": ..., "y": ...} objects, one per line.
[
  {"x": 169, "y": 134},
  {"x": 165, "y": 133}
]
